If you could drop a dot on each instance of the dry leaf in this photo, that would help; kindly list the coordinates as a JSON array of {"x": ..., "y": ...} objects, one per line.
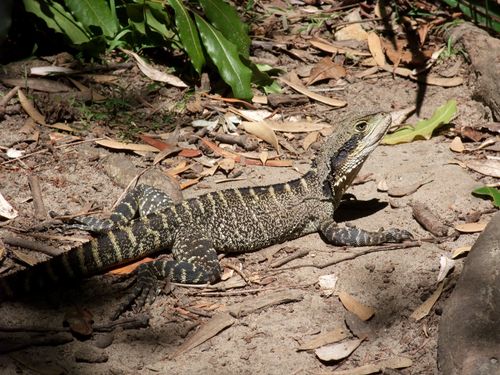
[
  {"x": 155, "y": 74},
  {"x": 190, "y": 153},
  {"x": 14, "y": 153},
  {"x": 424, "y": 309},
  {"x": 488, "y": 167},
  {"x": 126, "y": 146},
  {"x": 456, "y": 145},
  {"x": 379, "y": 366},
  {"x": 445, "y": 265},
  {"x": 351, "y": 32},
  {"x": 30, "y": 109},
  {"x": 227, "y": 164},
  {"x": 326, "y": 69},
  {"x": 39, "y": 84},
  {"x": 309, "y": 140},
  {"x": 25, "y": 258},
  {"x": 190, "y": 182},
  {"x": 382, "y": 186},
  {"x": 375, "y": 47},
  {"x": 327, "y": 284},
  {"x": 471, "y": 227},
  {"x": 335, "y": 352},
  {"x": 324, "y": 339},
  {"x": 263, "y": 157},
  {"x": 294, "y": 82},
  {"x": 79, "y": 321},
  {"x": 178, "y": 169},
  {"x": 6, "y": 210},
  {"x": 129, "y": 268},
  {"x": 297, "y": 126},
  {"x": 401, "y": 191},
  {"x": 209, "y": 171},
  {"x": 335, "y": 48},
  {"x": 362, "y": 311},
  {"x": 262, "y": 131},
  {"x": 50, "y": 70},
  {"x": 459, "y": 251}
]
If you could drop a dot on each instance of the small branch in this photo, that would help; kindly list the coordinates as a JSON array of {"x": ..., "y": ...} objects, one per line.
[
  {"x": 32, "y": 245},
  {"x": 285, "y": 260},
  {"x": 36, "y": 192}
]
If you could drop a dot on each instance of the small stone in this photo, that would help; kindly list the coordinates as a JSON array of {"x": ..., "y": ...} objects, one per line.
[
  {"x": 104, "y": 340},
  {"x": 90, "y": 354}
]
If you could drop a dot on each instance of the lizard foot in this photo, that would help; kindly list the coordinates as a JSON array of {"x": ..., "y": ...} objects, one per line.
[{"x": 144, "y": 291}]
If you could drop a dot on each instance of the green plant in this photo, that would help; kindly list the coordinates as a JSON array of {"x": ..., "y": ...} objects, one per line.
[{"x": 206, "y": 30}]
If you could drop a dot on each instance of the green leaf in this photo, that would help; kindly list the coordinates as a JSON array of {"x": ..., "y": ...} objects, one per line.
[
  {"x": 58, "y": 19},
  {"x": 224, "y": 55},
  {"x": 225, "y": 18},
  {"x": 188, "y": 34},
  {"x": 94, "y": 13},
  {"x": 423, "y": 129},
  {"x": 135, "y": 13},
  {"x": 489, "y": 191},
  {"x": 157, "y": 20}
]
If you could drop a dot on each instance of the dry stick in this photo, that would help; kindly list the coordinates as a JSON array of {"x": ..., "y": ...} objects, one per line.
[
  {"x": 47, "y": 150},
  {"x": 238, "y": 271},
  {"x": 355, "y": 255},
  {"x": 235, "y": 292},
  {"x": 8, "y": 96},
  {"x": 36, "y": 192},
  {"x": 283, "y": 261},
  {"x": 32, "y": 245}
]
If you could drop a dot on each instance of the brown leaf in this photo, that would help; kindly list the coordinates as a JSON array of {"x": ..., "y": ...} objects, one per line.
[
  {"x": 126, "y": 146},
  {"x": 334, "y": 48},
  {"x": 401, "y": 191},
  {"x": 324, "y": 339},
  {"x": 91, "y": 93},
  {"x": 129, "y": 268},
  {"x": 178, "y": 169},
  {"x": 190, "y": 153},
  {"x": 488, "y": 167},
  {"x": 226, "y": 164},
  {"x": 262, "y": 131},
  {"x": 379, "y": 366},
  {"x": 30, "y": 109},
  {"x": 362, "y": 311},
  {"x": 375, "y": 47},
  {"x": 294, "y": 82},
  {"x": 309, "y": 140},
  {"x": 471, "y": 227},
  {"x": 456, "y": 145},
  {"x": 326, "y": 69},
  {"x": 424, "y": 309},
  {"x": 336, "y": 352}
]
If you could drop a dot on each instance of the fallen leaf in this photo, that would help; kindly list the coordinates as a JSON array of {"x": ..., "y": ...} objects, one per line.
[
  {"x": 296, "y": 126},
  {"x": 375, "y": 47},
  {"x": 424, "y": 309},
  {"x": 324, "y": 339},
  {"x": 128, "y": 269},
  {"x": 335, "y": 352},
  {"x": 335, "y": 48},
  {"x": 80, "y": 321},
  {"x": 456, "y": 145},
  {"x": 93, "y": 94},
  {"x": 30, "y": 109},
  {"x": 216, "y": 324},
  {"x": 309, "y": 140},
  {"x": 445, "y": 265},
  {"x": 178, "y": 169},
  {"x": 262, "y": 131},
  {"x": 6, "y": 210},
  {"x": 471, "y": 227},
  {"x": 153, "y": 73},
  {"x": 424, "y": 129},
  {"x": 294, "y": 82},
  {"x": 488, "y": 167},
  {"x": 362, "y": 311},
  {"x": 263, "y": 157},
  {"x": 326, "y": 69},
  {"x": 226, "y": 164},
  {"x": 126, "y": 146},
  {"x": 50, "y": 70},
  {"x": 190, "y": 153},
  {"x": 38, "y": 84},
  {"x": 351, "y": 32},
  {"x": 379, "y": 366},
  {"x": 190, "y": 182},
  {"x": 492, "y": 192},
  {"x": 459, "y": 251},
  {"x": 327, "y": 284},
  {"x": 25, "y": 258},
  {"x": 401, "y": 191},
  {"x": 14, "y": 153}
]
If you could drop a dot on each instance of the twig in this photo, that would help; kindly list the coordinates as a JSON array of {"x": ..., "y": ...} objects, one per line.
[
  {"x": 32, "y": 245},
  {"x": 235, "y": 292},
  {"x": 355, "y": 255},
  {"x": 47, "y": 150},
  {"x": 238, "y": 271},
  {"x": 8, "y": 96},
  {"x": 36, "y": 193},
  {"x": 285, "y": 260},
  {"x": 243, "y": 141}
]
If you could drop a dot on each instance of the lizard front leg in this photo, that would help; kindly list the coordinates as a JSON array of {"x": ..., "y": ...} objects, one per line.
[
  {"x": 352, "y": 236},
  {"x": 142, "y": 200},
  {"x": 195, "y": 262}
]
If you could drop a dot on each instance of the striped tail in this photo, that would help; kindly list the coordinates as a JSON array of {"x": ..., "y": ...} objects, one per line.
[{"x": 120, "y": 246}]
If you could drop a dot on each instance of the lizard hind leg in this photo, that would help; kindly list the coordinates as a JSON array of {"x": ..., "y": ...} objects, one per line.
[
  {"x": 142, "y": 200},
  {"x": 195, "y": 262}
]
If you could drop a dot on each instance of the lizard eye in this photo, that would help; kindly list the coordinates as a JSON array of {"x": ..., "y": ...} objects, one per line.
[{"x": 361, "y": 126}]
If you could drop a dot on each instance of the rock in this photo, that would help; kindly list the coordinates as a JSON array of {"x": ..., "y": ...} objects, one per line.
[{"x": 469, "y": 331}]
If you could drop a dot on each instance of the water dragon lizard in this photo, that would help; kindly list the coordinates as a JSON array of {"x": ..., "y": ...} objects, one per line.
[{"x": 229, "y": 221}]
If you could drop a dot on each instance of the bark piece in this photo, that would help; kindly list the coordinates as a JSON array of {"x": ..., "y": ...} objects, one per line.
[{"x": 272, "y": 299}]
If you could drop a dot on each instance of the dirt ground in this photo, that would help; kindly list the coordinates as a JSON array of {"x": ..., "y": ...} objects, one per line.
[{"x": 393, "y": 282}]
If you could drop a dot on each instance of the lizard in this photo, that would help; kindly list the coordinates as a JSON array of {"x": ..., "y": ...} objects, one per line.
[{"x": 234, "y": 220}]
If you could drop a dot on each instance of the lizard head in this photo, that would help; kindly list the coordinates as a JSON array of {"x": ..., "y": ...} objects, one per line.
[{"x": 347, "y": 148}]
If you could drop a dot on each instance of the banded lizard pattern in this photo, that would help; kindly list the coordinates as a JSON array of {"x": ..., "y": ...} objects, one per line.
[{"x": 228, "y": 221}]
